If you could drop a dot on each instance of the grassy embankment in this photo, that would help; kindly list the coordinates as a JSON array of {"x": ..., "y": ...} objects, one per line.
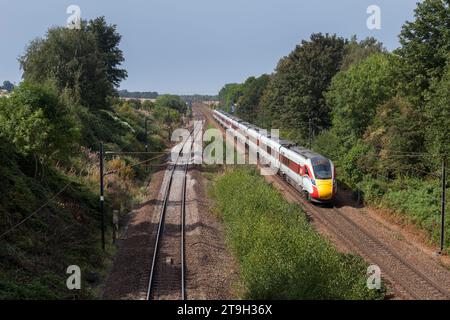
[
  {"x": 281, "y": 256},
  {"x": 34, "y": 256}
]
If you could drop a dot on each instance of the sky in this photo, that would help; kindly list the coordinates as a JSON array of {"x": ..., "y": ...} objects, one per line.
[{"x": 196, "y": 46}]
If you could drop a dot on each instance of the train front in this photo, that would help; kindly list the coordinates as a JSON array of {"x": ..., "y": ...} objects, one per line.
[{"x": 324, "y": 182}]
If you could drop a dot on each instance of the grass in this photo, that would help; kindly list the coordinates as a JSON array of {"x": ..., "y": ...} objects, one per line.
[{"x": 280, "y": 254}]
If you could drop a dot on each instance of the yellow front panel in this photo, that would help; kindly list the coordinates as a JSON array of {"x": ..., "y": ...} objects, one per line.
[{"x": 325, "y": 188}]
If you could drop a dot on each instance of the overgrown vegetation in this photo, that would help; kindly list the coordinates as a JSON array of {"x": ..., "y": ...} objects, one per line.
[
  {"x": 51, "y": 126},
  {"x": 382, "y": 117},
  {"x": 280, "y": 254}
]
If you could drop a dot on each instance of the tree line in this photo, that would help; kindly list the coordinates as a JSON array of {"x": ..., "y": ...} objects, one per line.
[
  {"x": 370, "y": 102},
  {"x": 383, "y": 117}
]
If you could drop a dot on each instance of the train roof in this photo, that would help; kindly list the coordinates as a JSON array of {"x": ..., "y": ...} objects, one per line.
[
  {"x": 288, "y": 144},
  {"x": 305, "y": 152}
]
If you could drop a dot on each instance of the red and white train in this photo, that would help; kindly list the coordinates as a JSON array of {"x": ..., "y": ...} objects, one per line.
[{"x": 307, "y": 171}]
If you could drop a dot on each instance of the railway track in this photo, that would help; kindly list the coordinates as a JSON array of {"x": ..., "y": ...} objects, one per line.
[
  {"x": 406, "y": 277},
  {"x": 167, "y": 272}
]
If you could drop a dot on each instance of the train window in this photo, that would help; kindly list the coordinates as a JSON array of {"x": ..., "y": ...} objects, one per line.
[{"x": 322, "y": 168}]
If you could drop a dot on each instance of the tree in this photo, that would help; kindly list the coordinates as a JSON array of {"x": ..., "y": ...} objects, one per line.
[
  {"x": 249, "y": 102},
  {"x": 355, "y": 94},
  {"x": 437, "y": 112},
  {"x": 108, "y": 40},
  {"x": 172, "y": 102},
  {"x": 8, "y": 86},
  {"x": 295, "y": 92},
  {"x": 36, "y": 120},
  {"x": 84, "y": 61},
  {"x": 425, "y": 48},
  {"x": 356, "y": 51},
  {"x": 229, "y": 95},
  {"x": 396, "y": 131}
]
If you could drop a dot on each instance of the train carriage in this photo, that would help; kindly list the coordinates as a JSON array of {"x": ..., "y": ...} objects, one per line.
[{"x": 307, "y": 171}]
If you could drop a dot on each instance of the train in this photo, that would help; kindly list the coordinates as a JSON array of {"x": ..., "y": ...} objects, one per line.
[{"x": 307, "y": 171}]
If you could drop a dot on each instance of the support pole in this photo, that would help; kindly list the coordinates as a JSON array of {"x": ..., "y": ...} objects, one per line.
[
  {"x": 146, "y": 135},
  {"x": 102, "y": 198},
  {"x": 310, "y": 132},
  {"x": 443, "y": 208}
]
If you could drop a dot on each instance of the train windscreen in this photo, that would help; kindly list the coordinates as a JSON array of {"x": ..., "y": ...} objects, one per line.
[{"x": 322, "y": 168}]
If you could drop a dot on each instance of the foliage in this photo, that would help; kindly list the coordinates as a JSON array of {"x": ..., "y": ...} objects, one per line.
[
  {"x": 437, "y": 112},
  {"x": 138, "y": 94},
  {"x": 425, "y": 48},
  {"x": 172, "y": 102},
  {"x": 249, "y": 103},
  {"x": 356, "y": 52},
  {"x": 37, "y": 121},
  {"x": 413, "y": 199},
  {"x": 396, "y": 131},
  {"x": 84, "y": 61},
  {"x": 229, "y": 95},
  {"x": 34, "y": 257},
  {"x": 7, "y": 85},
  {"x": 280, "y": 254},
  {"x": 295, "y": 92},
  {"x": 354, "y": 95}
]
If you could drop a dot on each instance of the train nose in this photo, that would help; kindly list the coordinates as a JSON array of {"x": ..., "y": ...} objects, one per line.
[{"x": 325, "y": 189}]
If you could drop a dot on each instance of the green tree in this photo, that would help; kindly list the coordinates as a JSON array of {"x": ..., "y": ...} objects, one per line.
[
  {"x": 437, "y": 112},
  {"x": 84, "y": 61},
  {"x": 108, "y": 40},
  {"x": 8, "y": 86},
  {"x": 36, "y": 120},
  {"x": 252, "y": 91},
  {"x": 171, "y": 101},
  {"x": 425, "y": 48},
  {"x": 395, "y": 132},
  {"x": 356, "y": 51},
  {"x": 355, "y": 94},
  {"x": 229, "y": 95},
  {"x": 295, "y": 92}
]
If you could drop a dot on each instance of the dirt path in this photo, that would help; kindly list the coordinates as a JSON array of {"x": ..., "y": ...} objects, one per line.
[{"x": 410, "y": 269}]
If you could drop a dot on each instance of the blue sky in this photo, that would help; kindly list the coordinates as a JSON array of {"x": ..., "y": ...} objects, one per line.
[{"x": 196, "y": 46}]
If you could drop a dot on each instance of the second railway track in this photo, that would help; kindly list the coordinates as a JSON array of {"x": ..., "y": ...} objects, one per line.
[{"x": 167, "y": 273}]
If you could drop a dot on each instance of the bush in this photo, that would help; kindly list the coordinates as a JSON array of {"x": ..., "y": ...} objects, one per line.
[
  {"x": 281, "y": 255},
  {"x": 419, "y": 201},
  {"x": 37, "y": 121}
]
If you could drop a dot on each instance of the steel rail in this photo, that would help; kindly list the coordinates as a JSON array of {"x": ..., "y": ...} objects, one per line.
[{"x": 162, "y": 219}]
